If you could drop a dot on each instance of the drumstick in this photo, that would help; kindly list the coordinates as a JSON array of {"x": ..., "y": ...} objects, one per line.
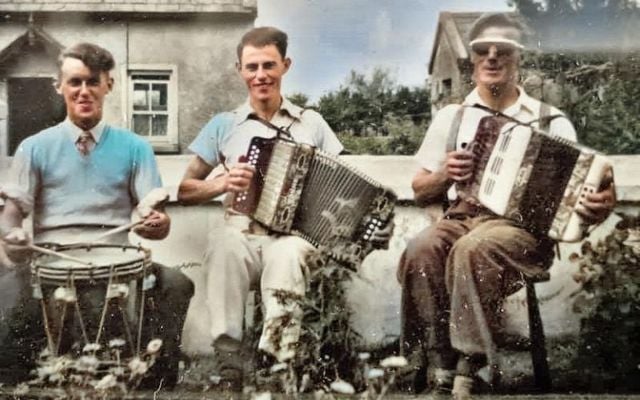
[
  {"x": 50, "y": 252},
  {"x": 118, "y": 229}
]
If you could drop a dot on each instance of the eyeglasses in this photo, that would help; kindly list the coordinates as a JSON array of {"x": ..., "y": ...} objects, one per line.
[{"x": 502, "y": 49}]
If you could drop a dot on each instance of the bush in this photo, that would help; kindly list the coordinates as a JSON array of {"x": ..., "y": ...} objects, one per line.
[{"x": 608, "y": 348}]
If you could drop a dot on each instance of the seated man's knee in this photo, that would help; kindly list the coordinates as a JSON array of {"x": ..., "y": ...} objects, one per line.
[{"x": 174, "y": 284}]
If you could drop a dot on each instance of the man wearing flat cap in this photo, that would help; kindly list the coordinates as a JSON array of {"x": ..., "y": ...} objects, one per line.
[{"x": 456, "y": 273}]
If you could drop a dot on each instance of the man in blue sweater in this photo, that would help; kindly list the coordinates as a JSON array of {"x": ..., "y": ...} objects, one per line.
[{"x": 83, "y": 178}]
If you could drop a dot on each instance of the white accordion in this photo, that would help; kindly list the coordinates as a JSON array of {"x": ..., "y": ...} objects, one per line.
[{"x": 533, "y": 178}]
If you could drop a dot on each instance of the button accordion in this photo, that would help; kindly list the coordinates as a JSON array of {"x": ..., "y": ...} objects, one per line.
[
  {"x": 298, "y": 189},
  {"x": 532, "y": 177}
]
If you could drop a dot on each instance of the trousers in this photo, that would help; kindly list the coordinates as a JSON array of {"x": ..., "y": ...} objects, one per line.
[
  {"x": 240, "y": 258},
  {"x": 455, "y": 275}
]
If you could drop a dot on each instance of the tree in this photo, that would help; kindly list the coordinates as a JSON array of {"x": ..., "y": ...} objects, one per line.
[
  {"x": 364, "y": 104},
  {"x": 299, "y": 99},
  {"x": 582, "y": 24}
]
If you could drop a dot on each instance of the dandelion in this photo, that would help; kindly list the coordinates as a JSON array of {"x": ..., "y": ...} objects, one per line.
[
  {"x": 278, "y": 367},
  {"x": 106, "y": 383},
  {"x": 154, "y": 346},
  {"x": 66, "y": 295},
  {"x": 118, "y": 290},
  {"x": 343, "y": 387},
  {"x": 261, "y": 396},
  {"x": 116, "y": 343},
  {"x": 394, "y": 362},
  {"x": 21, "y": 390},
  {"x": 91, "y": 347},
  {"x": 375, "y": 373},
  {"x": 138, "y": 367},
  {"x": 87, "y": 363}
]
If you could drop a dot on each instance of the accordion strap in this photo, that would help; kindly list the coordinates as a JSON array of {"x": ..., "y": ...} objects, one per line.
[
  {"x": 543, "y": 120},
  {"x": 452, "y": 139},
  {"x": 281, "y": 131}
]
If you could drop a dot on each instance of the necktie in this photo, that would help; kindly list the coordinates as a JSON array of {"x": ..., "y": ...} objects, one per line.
[{"x": 85, "y": 143}]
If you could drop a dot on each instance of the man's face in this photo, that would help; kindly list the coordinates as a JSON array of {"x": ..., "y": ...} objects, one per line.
[
  {"x": 496, "y": 64},
  {"x": 83, "y": 92},
  {"x": 262, "y": 69}
]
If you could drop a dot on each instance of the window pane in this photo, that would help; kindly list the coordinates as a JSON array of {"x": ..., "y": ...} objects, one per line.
[
  {"x": 160, "y": 123},
  {"x": 140, "y": 102},
  {"x": 159, "y": 97},
  {"x": 150, "y": 77},
  {"x": 141, "y": 124}
]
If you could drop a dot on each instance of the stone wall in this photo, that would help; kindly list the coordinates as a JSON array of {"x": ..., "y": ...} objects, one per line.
[{"x": 375, "y": 294}]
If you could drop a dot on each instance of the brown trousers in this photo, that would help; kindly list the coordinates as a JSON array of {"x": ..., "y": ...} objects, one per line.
[{"x": 455, "y": 275}]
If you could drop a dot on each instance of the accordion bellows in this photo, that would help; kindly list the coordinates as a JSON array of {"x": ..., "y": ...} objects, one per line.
[
  {"x": 533, "y": 178},
  {"x": 298, "y": 189}
]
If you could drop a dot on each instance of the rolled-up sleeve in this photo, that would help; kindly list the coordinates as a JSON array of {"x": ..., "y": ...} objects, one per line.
[
  {"x": 208, "y": 143},
  {"x": 145, "y": 174},
  {"x": 22, "y": 183},
  {"x": 433, "y": 151}
]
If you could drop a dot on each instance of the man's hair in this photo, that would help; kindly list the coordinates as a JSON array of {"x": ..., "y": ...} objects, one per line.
[
  {"x": 264, "y": 36},
  {"x": 490, "y": 20},
  {"x": 96, "y": 58}
]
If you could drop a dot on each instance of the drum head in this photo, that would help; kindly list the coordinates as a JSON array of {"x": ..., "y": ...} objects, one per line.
[{"x": 103, "y": 261}]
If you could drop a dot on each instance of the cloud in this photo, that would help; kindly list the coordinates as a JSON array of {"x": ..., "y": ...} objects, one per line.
[{"x": 381, "y": 31}]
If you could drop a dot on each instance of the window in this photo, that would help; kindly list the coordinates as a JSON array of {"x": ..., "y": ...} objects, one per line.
[
  {"x": 446, "y": 87},
  {"x": 152, "y": 106}
]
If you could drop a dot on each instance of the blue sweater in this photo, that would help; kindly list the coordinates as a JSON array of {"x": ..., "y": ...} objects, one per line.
[{"x": 101, "y": 188}]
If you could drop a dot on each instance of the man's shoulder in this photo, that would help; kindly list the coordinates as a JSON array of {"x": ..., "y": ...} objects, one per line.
[
  {"x": 311, "y": 115},
  {"x": 125, "y": 136},
  {"x": 447, "y": 113},
  {"x": 221, "y": 122},
  {"x": 47, "y": 135}
]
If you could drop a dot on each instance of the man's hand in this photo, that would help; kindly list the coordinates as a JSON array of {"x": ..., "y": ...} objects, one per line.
[
  {"x": 238, "y": 178},
  {"x": 154, "y": 200},
  {"x": 381, "y": 236},
  {"x": 155, "y": 225},
  {"x": 14, "y": 248},
  {"x": 459, "y": 165},
  {"x": 597, "y": 206}
]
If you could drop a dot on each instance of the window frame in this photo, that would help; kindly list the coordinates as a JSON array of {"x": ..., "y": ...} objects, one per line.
[{"x": 161, "y": 144}]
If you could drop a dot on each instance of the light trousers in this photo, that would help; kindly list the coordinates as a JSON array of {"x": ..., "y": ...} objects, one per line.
[{"x": 239, "y": 259}]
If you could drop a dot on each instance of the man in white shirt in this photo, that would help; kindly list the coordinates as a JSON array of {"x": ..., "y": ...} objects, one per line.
[
  {"x": 456, "y": 273},
  {"x": 241, "y": 254}
]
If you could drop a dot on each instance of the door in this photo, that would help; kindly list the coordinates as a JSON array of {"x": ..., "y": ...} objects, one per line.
[{"x": 33, "y": 106}]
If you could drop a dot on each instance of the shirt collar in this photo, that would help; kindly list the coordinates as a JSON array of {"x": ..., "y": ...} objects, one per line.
[
  {"x": 523, "y": 101},
  {"x": 75, "y": 130},
  {"x": 286, "y": 108}
]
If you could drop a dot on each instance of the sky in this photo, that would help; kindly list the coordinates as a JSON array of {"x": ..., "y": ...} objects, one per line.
[{"x": 329, "y": 38}]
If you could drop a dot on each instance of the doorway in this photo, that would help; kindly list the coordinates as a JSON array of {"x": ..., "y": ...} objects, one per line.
[{"x": 34, "y": 105}]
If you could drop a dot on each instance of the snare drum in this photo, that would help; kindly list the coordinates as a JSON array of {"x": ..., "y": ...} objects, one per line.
[{"x": 92, "y": 302}]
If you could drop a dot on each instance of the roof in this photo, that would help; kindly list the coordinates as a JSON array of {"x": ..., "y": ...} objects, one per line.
[
  {"x": 454, "y": 27},
  {"x": 32, "y": 37},
  {"x": 145, "y": 6}
]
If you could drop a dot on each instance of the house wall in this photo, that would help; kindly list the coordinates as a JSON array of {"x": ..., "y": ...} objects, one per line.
[
  {"x": 202, "y": 47},
  {"x": 445, "y": 67},
  {"x": 204, "y": 51}
]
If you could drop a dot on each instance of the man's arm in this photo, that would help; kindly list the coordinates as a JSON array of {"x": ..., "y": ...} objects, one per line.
[
  {"x": 598, "y": 206},
  {"x": 429, "y": 187},
  {"x": 196, "y": 189},
  {"x": 13, "y": 245}
]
